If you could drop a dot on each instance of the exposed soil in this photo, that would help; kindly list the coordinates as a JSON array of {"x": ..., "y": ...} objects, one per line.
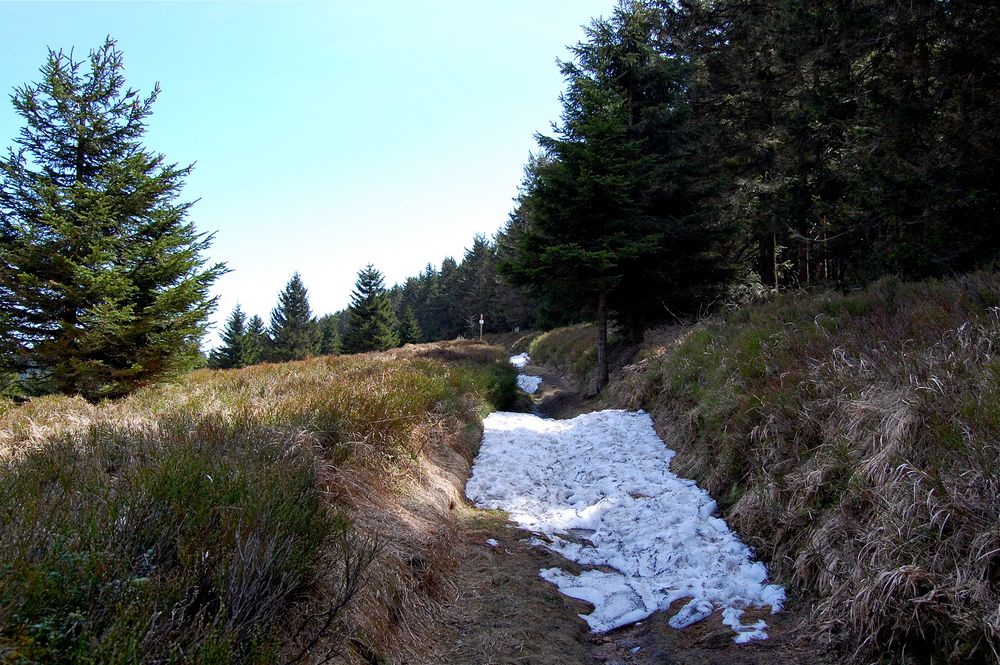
[
  {"x": 557, "y": 397},
  {"x": 501, "y": 612}
]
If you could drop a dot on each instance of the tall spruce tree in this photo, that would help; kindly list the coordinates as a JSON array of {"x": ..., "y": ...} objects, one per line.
[
  {"x": 103, "y": 286},
  {"x": 371, "y": 322},
  {"x": 232, "y": 352},
  {"x": 582, "y": 198},
  {"x": 609, "y": 217},
  {"x": 294, "y": 332}
]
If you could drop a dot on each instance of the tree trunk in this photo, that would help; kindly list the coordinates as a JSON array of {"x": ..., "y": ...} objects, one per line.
[{"x": 602, "y": 340}]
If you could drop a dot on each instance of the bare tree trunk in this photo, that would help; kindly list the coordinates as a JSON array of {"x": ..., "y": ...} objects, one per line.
[{"x": 602, "y": 340}]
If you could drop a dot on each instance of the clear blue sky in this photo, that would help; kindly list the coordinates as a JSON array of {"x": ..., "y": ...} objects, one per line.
[{"x": 327, "y": 135}]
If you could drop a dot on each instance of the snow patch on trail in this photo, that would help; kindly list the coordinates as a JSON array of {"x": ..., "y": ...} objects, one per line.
[
  {"x": 599, "y": 488},
  {"x": 520, "y": 360},
  {"x": 528, "y": 384}
]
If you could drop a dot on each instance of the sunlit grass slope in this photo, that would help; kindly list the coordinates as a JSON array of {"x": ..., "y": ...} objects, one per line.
[
  {"x": 853, "y": 440},
  {"x": 572, "y": 352},
  {"x": 190, "y": 522}
]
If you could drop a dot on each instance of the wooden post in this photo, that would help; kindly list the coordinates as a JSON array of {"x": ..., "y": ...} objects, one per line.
[{"x": 481, "y": 321}]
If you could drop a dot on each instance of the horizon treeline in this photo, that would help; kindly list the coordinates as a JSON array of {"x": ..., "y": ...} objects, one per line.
[{"x": 437, "y": 304}]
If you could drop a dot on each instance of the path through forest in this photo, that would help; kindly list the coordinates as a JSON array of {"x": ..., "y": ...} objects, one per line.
[{"x": 502, "y": 611}]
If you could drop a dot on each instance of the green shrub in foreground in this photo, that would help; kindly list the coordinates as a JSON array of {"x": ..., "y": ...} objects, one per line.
[{"x": 154, "y": 547}]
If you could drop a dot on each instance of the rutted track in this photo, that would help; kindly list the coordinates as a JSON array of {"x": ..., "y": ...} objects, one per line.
[{"x": 503, "y": 612}]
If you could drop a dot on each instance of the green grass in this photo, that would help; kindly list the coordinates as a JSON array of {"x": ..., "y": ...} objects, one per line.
[
  {"x": 188, "y": 522},
  {"x": 852, "y": 441},
  {"x": 572, "y": 351}
]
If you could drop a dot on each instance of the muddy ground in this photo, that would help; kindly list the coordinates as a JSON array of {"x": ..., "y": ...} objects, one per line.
[{"x": 500, "y": 612}]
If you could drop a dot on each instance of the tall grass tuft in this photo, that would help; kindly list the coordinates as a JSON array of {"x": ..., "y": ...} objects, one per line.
[
  {"x": 853, "y": 441},
  {"x": 187, "y": 522}
]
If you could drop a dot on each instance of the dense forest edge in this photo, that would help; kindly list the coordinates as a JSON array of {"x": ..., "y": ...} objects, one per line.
[{"x": 704, "y": 159}]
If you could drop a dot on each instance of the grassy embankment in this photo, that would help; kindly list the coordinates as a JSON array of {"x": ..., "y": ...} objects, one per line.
[
  {"x": 572, "y": 352},
  {"x": 853, "y": 441},
  {"x": 231, "y": 517}
]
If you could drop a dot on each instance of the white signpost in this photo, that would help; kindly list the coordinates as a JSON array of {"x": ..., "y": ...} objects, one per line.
[{"x": 481, "y": 327}]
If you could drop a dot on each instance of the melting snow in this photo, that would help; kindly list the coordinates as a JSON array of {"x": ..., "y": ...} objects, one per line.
[
  {"x": 528, "y": 384},
  {"x": 600, "y": 489},
  {"x": 520, "y": 360}
]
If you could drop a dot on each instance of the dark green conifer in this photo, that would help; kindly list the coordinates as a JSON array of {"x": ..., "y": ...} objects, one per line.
[
  {"x": 294, "y": 333},
  {"x": 103, "y": 287},
  {"x": 330, "y": 343},
  {"x": 232, "y": 352},
  {"x": 371, "y": 323},
  {"x": 409, "y": 328},
  {"x": 608, "y": 219},
  {"x": 255, "y": 342}
]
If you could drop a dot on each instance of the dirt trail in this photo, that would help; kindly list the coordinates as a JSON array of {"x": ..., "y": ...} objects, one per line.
[{"x": 501, "y": 612}]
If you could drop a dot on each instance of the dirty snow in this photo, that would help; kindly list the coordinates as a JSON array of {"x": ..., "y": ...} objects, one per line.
[
  {"x": 493, "y": 542},
  {"x": 528, "y": 384},
  {"x": 599, "y": 490}
]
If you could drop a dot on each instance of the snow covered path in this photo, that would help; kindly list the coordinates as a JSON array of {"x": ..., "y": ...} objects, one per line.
[{"x": 600, "y": 489}]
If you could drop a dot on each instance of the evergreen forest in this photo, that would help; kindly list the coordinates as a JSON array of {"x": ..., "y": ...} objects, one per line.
[
  {"x": 716, "y": 152},
  {"x": 707, "y": 153}
]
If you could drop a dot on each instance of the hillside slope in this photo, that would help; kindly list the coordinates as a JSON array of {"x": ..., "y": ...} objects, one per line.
[
  {"x": 852, "y": 441},
  {"x": 277, "y": 513}
]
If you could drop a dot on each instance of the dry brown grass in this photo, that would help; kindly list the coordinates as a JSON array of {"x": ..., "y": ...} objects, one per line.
[
  {"x": 853, "y": 442},
  {"x": 413, "y": 519},
  {"x": 308, "y": 475}
]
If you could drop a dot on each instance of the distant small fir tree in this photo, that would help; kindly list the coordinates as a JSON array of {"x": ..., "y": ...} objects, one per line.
[
  {"x": 255, "y": 341},
  {"x": 409, "y": 328},
  {"x": 294, "y": 333},
  {"x": 330, "y": 342},
  {"x": 232, "y": 352},
  {"x": 371, "y": 323}
]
